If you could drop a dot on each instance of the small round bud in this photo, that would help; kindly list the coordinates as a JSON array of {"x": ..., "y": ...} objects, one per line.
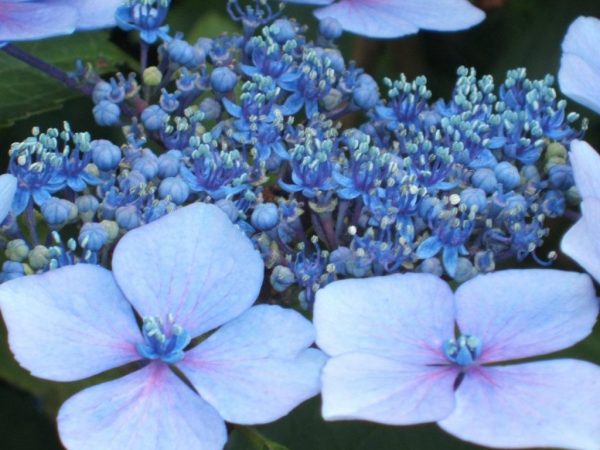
[
  {"x": 339, "y": 257},
  {"x": 154, "y": 118},
  {"x": 556, "y": 150},
  {"x": 105, "y": 154},
  {"x": 57, "y": 211},
  {"x": 432, "y": 266},
  {"x": 181, "y": 52},
  {"x": 474, "y": 198},
  {"x": 265, "y": 216},
  {"x": 102, "y": 91},
  {"x": 128, "y": 217},
  {"x": 92, "y": 236},
  {"x": 152, "y": 76},
  {"x": 106, "y": 113},
  {"x": 282, "y": 278},
  {"x": 507, "y": 175},
  {"x": 561, "y": 176},
  {"x": 11, "y": 270},
  {"x": 229, "y": 208},
  {"x": 464, "y": 270},
  {"x": 485, "y": 179},
  {"x": 484, "y": 261},
  {"x": 87, "y": 205},
  {"x": 112, "y": 229},
  {"x": 330, "y": 28},
  {"x": 16, "y": 250},
  {"x": 336, "y": 60},
  {"x": 223, "y": 79},
  {"x": 211, "y": 108},
  {"x": 176, "y": 188},
  {"x": 366, "y": 92},
  {"x": 147, "y": 165},
  {"x": 283, "y": 30},
  {"x": 39, "y": 257},
  {"x": 168, "y": 163}
]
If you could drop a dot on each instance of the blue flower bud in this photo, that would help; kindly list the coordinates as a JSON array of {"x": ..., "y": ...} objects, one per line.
[
  {"x": 332, "y": 100},
  {"x": 11, "y": 270},
  {"x": 530, "y": 173},
  {"x": 507, "y": 175},
  {"x": 366, "y": 92},
  {"x": 282, "y": 278},
  {"x": 176, "y": 188},
  {"x": 181, "y": 52},
  {"x": 132, "y": 182},
  {"x": 17, "y": 250},
  {"x": 474, "y": 197},
  {"x": 432, "y": 265},
  {"x": 111, "y": 228},
  {"x": 265, "y": 216},
  {"x": 106, "y": 113},
  {"x": 101, "y": 91},
  {"x": 229, "y": 208},
  {"x": 283, "y": 30},
  {"x": 87, "y": 205},
  {"x": 105, "y": 154},
  {"x": 128, "y": 217},
  {"x": 147, "y": 165},
  {"x": 168, "y": 163},
  {"x": 330, "y": 28},
  {"x": 58, "y": 212},
  {"x": 561, "y": 176},
  {"x": 485, "y": 179},
  {"x": 92, "y": 236},
  {"x": 154, "y": 118},
  {"x": 223, "y": 79},
  {"x": 211, "y": 108},
  {"x": 39, "y": 257}
]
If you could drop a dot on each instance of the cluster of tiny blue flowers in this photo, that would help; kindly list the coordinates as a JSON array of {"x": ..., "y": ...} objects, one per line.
[{"x": 251, "y": 122}]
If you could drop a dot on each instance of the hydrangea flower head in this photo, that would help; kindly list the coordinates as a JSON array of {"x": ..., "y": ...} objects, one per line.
[
  {"x": 23, "y": 20},
  {"x": 395, "y": 359},
  {"x": 186, "y": 274},
  {"x": 580, "y": 242},
  {"x": 395, "y": 18},
  {"x": 579, "y": 74}
]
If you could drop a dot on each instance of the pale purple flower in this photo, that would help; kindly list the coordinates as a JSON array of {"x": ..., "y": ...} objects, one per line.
[
  {"x": 8, "y": 188},
  {"x": 395, "y": 18},
  {"x": 579, "y": 74},
  {"x": 580, "y": 242},
  {"x": 186, "y": 274},
  {"x": 23, "y": 20},
  {"x": 395, "y": 360}
]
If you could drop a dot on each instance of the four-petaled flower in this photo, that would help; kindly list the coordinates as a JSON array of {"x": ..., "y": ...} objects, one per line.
[
  {"x": 395, "y": 359},
  {"x": 186, "y": 274},
  {"x": 580, "y": 242},
  {"x": 395, "y": 18}
]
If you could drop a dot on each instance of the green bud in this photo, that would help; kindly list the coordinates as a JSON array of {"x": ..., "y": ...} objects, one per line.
[
  {"x": 17, "y": 250},
  {"x": 111, "y": 228},
  {"x": 39, "y": 257},
  {"x": 152, "y": 76},
  {"x": 556, "y": 149},
  {"x": 573, "y": 196}
]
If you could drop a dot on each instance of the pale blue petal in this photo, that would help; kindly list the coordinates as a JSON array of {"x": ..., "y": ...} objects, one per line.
[
  {"x": 21, "y": 21},
  {"x": 541, "y": 404},
  {"x": 527, "y": 312},
  {"x": 579, "y": 74},
  {"x": 377, "y": 19},
  {"x": 150, "y": 409},
  {"x": 405, "y": 317},
  {"x": 256, "y": 368},
  {"x": 429, "y": 247},
  {"x": 8, "y": 187},
  {"x": 94, "y": 14},
  {"x": 581, "y": 243},
  {"x": 438, "y": 15},
  {"x": 192, "y": 263},
  {"x": 311, "y": 2},
  {"x": 586, "y": 168},
  {"x": 368, "y": 387},
  {"x": 69, "y": 323}
]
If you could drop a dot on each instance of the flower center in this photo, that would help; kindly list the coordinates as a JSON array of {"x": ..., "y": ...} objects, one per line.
[
  {"x": 463, "y": 351},
  {"x": 164, "y": 342}
]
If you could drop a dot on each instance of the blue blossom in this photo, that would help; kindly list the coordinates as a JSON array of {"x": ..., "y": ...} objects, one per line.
[
  {"x": 395, "y": 358},
  {"x": 235, "y": 382},
  {"x": 145, "y": 16}
]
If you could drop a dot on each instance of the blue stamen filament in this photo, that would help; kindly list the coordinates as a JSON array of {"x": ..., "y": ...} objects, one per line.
[
  {"x": 160, "y": 343},
  {"x": 463, "y": 351}
]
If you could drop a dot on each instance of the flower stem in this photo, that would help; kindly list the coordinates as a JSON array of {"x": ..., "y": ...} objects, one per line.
[{"x": 49, "y": 69}]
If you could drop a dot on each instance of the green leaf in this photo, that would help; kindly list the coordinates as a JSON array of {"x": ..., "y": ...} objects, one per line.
[
  {"x": 212, "y": 24},
  {"x": 26, "y": 91}
]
